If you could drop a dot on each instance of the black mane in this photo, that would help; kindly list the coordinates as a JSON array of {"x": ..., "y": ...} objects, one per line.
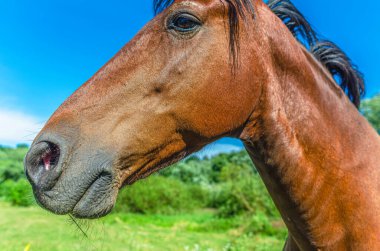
[
  {"x": 330, "y": 55},
  {"x": 340, "y": 66},
  {"x": 160, "y": 5}
]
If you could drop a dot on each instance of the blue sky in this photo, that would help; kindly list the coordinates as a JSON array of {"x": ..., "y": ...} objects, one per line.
[{"x": 49, "y": 48}]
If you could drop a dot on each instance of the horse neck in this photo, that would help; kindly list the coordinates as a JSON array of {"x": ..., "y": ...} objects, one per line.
[{"x": 317, "y": 156}]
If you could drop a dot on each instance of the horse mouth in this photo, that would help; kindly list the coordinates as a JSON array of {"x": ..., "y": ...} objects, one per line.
[{"x": 94, "y": 202}]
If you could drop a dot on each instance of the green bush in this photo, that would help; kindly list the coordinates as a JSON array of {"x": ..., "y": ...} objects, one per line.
[
  {"x": 260, "y": 223},
  {"x": 18, "y": 193},
  {"x": 160, "y": 195},
  {"x": 207, "y": 172},
  {"x": 242, "y": 192},
  {"x": 371, "y": 110},
  {"x": 191, "y": 171},
  {"x": 11, "y": 163}
]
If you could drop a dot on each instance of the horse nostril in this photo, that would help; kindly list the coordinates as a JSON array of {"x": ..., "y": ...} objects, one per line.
[
  {"x": 41, "y": 160},
  {"x": 50, "y": 157}
]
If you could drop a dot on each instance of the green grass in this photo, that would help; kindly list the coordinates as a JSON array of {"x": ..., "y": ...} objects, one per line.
[{"x": 23, "y": 227}]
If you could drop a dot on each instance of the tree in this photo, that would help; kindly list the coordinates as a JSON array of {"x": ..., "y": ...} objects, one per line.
[{"x": 371, "y": 110}]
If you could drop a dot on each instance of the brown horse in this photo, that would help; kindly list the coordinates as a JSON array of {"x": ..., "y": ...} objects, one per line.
[{"x": 205, "y": 69}]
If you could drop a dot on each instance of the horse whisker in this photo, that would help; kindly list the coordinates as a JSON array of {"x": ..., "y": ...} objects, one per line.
[{"x": 78, "y": 226}]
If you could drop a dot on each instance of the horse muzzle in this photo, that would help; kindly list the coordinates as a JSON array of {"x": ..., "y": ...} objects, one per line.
[{"x": 81, "y": 183}]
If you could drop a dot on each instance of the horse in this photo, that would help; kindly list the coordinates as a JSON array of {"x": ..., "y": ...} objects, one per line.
[{"x": 203, "y": 70}]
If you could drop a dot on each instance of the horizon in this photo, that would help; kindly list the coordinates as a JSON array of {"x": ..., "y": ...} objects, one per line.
[{"x": 49, "y": 49}]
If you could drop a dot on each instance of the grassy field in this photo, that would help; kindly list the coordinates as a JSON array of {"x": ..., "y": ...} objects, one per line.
[{"x": 33, "y": 229}]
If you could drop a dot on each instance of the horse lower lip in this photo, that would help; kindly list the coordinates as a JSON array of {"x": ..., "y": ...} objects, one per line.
[
  {"x": 83, "y": 197},
  {"x": 85, "y": 194}
]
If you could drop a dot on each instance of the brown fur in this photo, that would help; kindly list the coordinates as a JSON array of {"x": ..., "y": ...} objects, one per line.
[{"x": 163, "y": 97}]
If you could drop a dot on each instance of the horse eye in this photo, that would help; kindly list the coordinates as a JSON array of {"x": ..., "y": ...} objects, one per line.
[{"x": 184, "y": 23}]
